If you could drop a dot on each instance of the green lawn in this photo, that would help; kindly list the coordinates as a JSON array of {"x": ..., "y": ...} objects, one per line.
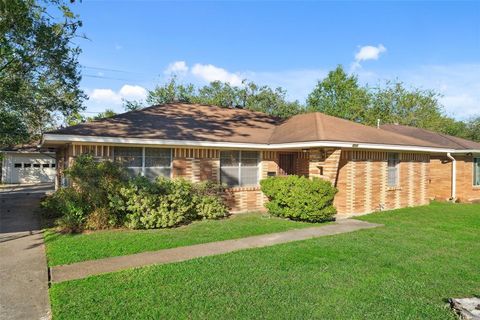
[
  {"x": 67, "y": 249},
  {"x": 404, "y": 270}
]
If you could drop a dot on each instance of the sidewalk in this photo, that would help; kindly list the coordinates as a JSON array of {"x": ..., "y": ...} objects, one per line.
[{"x": 93, "y": 267}]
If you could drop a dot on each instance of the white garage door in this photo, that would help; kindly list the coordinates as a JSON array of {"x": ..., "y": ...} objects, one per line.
[{"x": 30, "y": 169}]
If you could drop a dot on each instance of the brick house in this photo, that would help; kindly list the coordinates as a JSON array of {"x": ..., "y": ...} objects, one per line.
[{"x": 373, "y": 168}]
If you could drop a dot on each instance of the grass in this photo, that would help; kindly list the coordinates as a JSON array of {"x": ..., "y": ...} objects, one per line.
[
  {"x": 404, "y": 270},
  {"x": 67, "y": 248}
]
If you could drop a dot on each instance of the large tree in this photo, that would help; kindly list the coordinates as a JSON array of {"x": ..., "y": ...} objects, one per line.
[
  {"x": 339, "y": 95},
  {"x": 392, "y": 102},
  {"x": 39, "y": 73}
]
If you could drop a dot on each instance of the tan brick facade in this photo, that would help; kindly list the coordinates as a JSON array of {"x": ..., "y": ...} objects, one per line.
[
  {"x": 359, "y": 175},
  {"x": 362, "y": 182},
  {"x": 440, "y": 179}
]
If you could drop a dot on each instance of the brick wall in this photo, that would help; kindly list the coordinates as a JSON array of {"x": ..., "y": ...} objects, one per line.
[
  {"x": 440, "y": 182},
  {"x": 362, "y": 182}
]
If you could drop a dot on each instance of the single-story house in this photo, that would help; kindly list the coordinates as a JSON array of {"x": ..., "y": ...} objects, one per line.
[
  {"x": 27, "y": 164},
  {"x": 373, "y": 168}
]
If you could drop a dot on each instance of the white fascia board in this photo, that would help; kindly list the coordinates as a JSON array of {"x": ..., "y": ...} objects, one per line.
[
  {"x": 60, "y": 138},
  {"x": 474, "y": 151}
]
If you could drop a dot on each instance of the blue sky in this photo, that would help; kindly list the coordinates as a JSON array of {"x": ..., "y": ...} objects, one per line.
[{"x": 134, "y": 45}]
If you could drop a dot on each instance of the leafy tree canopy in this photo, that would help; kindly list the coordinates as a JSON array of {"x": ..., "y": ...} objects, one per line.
[
  {"x": 39, "y": 74},
  {"x": 339, "y": 94}
]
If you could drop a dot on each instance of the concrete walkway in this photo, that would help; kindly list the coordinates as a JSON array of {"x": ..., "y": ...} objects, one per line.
[
  {"x": 23, "y": 266},
  {"x": 94, "y": 267}
]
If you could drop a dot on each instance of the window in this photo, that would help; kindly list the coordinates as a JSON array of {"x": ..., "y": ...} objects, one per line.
[
  {"x": 130, "y": 158},
  {"x": 239, "y": 168},
  {"x": 53, "y": 165},
  {"x": 45, "y": 165},
  {"x": 158, "y": 162},
  {"x": 476, "y": 171},
  {"x": 36, "y": 165},
  {"x": 17, "y": 165},
  {"x": 393, "y": 162},
  {"x": 27, "y": 165}
]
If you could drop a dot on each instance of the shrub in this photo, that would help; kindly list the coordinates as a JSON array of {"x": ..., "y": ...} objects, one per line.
[
  {"x": 102, "y": 196},
  {"x": 210, "y": 207},
  {"x": 300, "y": 198},
  {"x": 69, "y": 207},
  {"x": 96, "y": 180},
  {"x": 99, "y": 219},
  {"x": 160, "y": 204}
]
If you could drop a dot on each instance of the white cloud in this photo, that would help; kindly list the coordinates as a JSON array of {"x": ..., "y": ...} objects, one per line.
[
  {"x": 209, "y": 73},
  {"x": 177, "y": 67},
  {"x": 109, "y": 97},
  {"x": 132, "y": 92},
  {"x": 105, "y": 95},
  {"x": 369, "y": 53}
]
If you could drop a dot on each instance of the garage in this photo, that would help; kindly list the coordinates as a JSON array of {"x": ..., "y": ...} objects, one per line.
[{"x": 28, "y": 167}]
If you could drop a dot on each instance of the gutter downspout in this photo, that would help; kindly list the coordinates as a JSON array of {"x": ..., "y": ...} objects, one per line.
[{"x": 453, "y": 198}]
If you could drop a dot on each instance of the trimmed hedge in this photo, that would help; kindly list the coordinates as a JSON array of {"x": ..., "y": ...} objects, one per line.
[{"x": 300, "y": 198}]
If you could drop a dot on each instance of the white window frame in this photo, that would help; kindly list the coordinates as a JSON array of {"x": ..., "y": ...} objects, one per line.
[
  {"x": 476, "y": 159},
  {"x": 240, "y": 184},
  {"x": 397, "y": 170},
  {"x": 170, "y": 167},
  {"x": 142, "y": 172}
]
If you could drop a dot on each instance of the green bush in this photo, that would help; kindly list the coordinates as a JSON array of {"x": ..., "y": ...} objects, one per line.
[
  {"x": 300, "y": 198},
  {"x": 102, "y": 196},
  {"x": 96, "y": 180},
  {"x": 69, "y": 207},
  {"x": 166, "y": 203},
  {"x": 210, "y": 207}
]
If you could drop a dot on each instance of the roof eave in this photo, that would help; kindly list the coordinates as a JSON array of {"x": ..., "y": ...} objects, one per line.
[{"x": 61, "y": 138}]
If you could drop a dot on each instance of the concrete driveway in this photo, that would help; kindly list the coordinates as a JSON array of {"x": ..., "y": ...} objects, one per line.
[{"x": 23, "y": 265}]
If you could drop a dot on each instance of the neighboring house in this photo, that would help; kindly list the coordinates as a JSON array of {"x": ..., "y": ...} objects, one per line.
[
  {"x": 373, "y": 168},
  {"x": 27, "y": 164}
]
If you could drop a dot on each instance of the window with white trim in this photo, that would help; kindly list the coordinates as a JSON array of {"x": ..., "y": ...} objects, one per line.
[
  {"x": 239, "y": 168},
  {"x": 129, "y": 158},
  {"x": 476, "y": 171},
  {"x": 158, "y": 162},
  {"x": 393, "y": 172}
]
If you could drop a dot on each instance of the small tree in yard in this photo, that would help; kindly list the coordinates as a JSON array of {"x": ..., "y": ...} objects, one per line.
[{"x": 300, "y": 198}]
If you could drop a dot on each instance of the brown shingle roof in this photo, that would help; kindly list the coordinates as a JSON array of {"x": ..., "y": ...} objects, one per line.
[
  {"x": 178, "y": 121},
  {"x": 321, "y": 127},
  {"x": 434, "y": 137}
]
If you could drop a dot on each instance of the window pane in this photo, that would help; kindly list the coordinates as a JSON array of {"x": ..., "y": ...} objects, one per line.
[
  {"x": 229, "y": 176},
  {"x": 393, "y": 161},
  {"x": 36, "y": 165},
  {"x": 476, "y": 172},
  {"x": 27, "y": 165},
  {"x": 157, "y": 157},
  {"x": 18, "y": 165},
  {"x": 249, "y": 176},
  {"x": 128, "y": 157},
  {"x": 158, "y": 152},
  {"x": 229, "y": 158},
  {"x": 134, "y": 171},
  {"x": 153, "y": 173},
  {"x": 45, "y": 165},
  {"x": 249, "y": 158}
]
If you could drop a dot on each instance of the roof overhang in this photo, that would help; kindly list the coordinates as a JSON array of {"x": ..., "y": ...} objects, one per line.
[{"x": 59, "y": 139}]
